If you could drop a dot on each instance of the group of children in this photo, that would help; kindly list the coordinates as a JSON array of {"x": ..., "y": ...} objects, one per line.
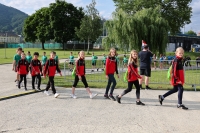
[{"x": 111, "y": 67}]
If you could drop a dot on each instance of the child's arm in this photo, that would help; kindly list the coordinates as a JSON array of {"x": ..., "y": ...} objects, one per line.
[
  {"x": 77, "y": 65},
  {"x": 45, "y": 68},
  {"x": 27, "y": 67},
  {"x": 18, "y": 66},
  {"x": 107, "y": 63},
  {"x": 40, "y": 67},
  {"x": 136, "y": 74},
  {"x": 58, "y": 69},
  {"x": 176, "y": 79}
]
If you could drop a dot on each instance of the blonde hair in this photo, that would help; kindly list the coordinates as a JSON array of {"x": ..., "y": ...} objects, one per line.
[
  {"x": 113, "y": 50},
  {"x": 80, "y": 53},
  {"x": 179, "y": 49},
  {"x": 131, "y": 60}
]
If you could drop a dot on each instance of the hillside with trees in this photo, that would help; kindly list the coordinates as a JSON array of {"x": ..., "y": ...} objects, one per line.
[{"x": 11, "y": 19}]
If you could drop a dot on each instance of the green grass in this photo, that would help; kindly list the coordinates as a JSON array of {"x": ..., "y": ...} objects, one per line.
[
  {"x": 158, "y": 80},
  {"x": 10, "y": 52}
]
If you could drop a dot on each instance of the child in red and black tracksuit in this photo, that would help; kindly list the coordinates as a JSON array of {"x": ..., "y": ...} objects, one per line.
[
  {"x": 36, "y": 70},
  {"x": 50, "y": 68},
  {"x": 22, "y": 69},
  {"x": 133, "y": 77},
  {"x": 80, "y": 75},
  {"x": 111, "y": 68},
  {"x": 177, "y": 79}
]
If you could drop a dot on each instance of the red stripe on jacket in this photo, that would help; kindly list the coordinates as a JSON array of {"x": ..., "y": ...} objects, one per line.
[
  {"x": 80, "y": 67},
  {"x": 111, "y": 65},
  {"x": 50, "y": 67},
  {"x": 177, "y": 71},
  {"x": 133, "y": 72},
  {"x": 23, "y": 66}
]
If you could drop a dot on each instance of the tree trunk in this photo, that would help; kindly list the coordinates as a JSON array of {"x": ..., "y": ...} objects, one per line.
[
  {"x": 43, "y": 46},
  {"x": 88, "y": 45}
]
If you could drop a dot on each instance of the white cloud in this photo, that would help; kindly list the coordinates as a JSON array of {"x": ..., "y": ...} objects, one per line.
[{"x": 194, "y": 25}]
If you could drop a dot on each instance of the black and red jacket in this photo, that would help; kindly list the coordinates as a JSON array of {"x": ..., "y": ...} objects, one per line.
[
  {"x": 133, "y": 72},
  {"x": 36, "y": 67},
  {"x": 177, "y": 71},
  {"x": 111, "y": 65},
  {"x": 23, "y": 66},
  {"x": 50, "y": 67},
  {"x": 80, "y": 67}
]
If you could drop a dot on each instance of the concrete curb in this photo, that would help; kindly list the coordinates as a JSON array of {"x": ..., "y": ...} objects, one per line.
[{"x": 20, "y": 94}]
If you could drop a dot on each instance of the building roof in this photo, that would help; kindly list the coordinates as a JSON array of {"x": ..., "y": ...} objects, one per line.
[{"x": 9, "y": 34}]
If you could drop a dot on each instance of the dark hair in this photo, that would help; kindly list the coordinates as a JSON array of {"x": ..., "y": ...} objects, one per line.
[
  {"x": 29, "y": 52},
  {"x": 44, "y": 52},
  {"x": 146, "y": 46},
  {"x": 19, "y": 49},
  {"x": 54, "y": 52},
  {"x": 36, "y": 53}
]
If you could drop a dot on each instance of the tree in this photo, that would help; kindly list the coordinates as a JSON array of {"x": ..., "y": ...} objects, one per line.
[
  {"x": 191, "y": 32},
  {"x": 128, "y": 30},
  {"x": 176, "y": 12},
  {"x": 29, "y": 30},
  {"x": 91, "y": 27},
  {"x": 64, "y": 18},
  {"x": 37, "y": 27}
]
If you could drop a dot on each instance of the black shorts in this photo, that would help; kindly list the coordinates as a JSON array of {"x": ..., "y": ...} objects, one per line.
[
  {"x": 71, "y": 63},
  {"x": 94, "y": 63},
  {"x": 146, "y": 72}
]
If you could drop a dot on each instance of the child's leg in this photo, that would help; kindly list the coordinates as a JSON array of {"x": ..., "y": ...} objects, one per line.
[
  {"x": 108, "y": 85},
  {"x": 129, "y": 89},
  {"x": 137, "y": 86},
  {"x": 48, "y": 85},
  {"x": 33, "y": 82},
  {"x": 75, "y": 84},
  {"x": 114, "y": 83},
  {"x": 174, "y": 90},
  {"x": 51, "y": 79},
  {"x": 180, "y": 94},
  {"x": 39, "y": 80},
  {"x": 25, "y": 81},
  {"x": 21, "y": 78},
  {"x": 86, "y": 84}
]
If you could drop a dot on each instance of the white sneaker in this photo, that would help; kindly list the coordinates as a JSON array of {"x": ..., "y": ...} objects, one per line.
[
  {"x": 46, "y": 92},
  {"x": 93, "y": 95},
  {"x": 73, "y": 96},
  {"x": 56, "y": 95}
]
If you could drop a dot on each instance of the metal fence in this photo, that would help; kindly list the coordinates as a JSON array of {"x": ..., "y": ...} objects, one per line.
[{"x": 158, "y": 73}]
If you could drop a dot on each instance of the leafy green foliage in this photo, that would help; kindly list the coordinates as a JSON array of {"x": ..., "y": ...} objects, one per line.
[
  {"x": 191, "y": 32},
  {"x": 91, "y": 25},
  {"x": 64, "y": 18},
  {"x": 11, "y": 19}
]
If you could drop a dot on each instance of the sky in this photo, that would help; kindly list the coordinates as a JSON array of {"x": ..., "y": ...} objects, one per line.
[{"x": 105, "y": 8}]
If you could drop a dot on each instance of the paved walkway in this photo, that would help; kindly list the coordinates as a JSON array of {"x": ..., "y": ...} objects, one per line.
[{"x": 45, "y": 114}]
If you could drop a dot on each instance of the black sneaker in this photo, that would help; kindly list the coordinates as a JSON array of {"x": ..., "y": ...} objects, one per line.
[
  {"x": 112, "y": 98},
  {"x": 19, "y": 86},
  {"x": 25, "y": 89},
  {"x": 139, "y": 103},
  {"x": 160, "y": 99},
  {"x": 141, "y": 87},
  {"x": 97, "y": 69},
  {"x": 118, "y": 99},
  {"x": 182, "y": 107},
  {"x": 106, "y": 96},
  {"x": 148, "y": 88}
]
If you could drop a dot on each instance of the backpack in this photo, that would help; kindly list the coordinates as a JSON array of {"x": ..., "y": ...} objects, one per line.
[
  {"x": 74, "y": 72},
  {"x": 126, "y": 76},
  {"x": 169, "y": 72}
]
